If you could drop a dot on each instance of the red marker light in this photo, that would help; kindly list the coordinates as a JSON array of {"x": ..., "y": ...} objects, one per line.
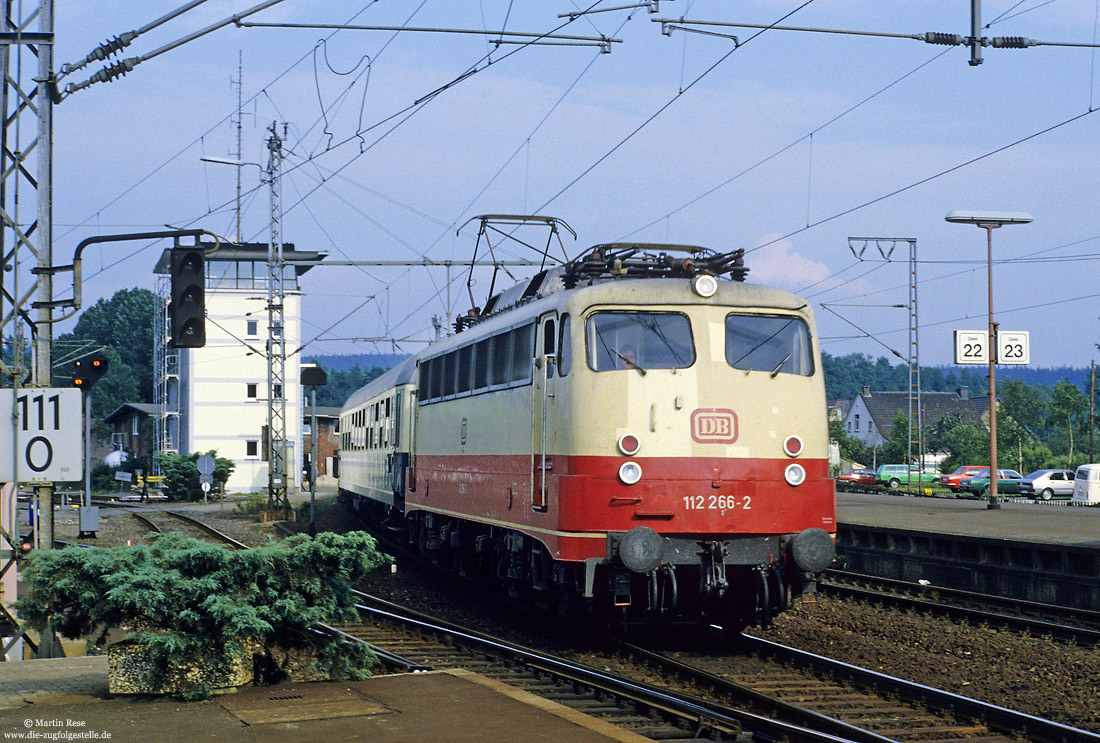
[
  {"x": 629, "y": 444},
  {"x": 793, "y": 446}
]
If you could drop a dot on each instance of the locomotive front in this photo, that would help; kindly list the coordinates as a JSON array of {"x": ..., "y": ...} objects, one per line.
[{"x": 684, "y": 421}]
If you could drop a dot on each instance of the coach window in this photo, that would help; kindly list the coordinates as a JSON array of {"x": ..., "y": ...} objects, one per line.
[
  {"x": 639, "y": 340},
  {"x": 778, "y": 345},
  {"x": 565, "y": 346}
]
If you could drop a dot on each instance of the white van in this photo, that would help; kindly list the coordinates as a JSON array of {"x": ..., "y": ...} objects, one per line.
[{"x": 1086, "y": 485}]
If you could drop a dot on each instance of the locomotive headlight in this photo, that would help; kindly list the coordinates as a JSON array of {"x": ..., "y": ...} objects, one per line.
[
  {"x": 793, "y": 446},
  {"x": 795, "y": 475},
  {"x": 704, "y": 285},
  {"x": 630, "y": 473},
  {"x": 629, "y": 444}
]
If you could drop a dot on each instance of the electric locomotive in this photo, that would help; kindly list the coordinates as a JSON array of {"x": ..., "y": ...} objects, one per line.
[{"x": 638, "y": 431}]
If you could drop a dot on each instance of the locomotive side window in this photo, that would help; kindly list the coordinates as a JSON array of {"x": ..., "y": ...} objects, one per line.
[
  {"x": 481, "y": 364},
  {"x": 523, "y": 348},
  {"x": 503, "y": 359},
  {"x": 548, "y": 343},
  {"x": 565, "y": 347},
  {"x": 639, "y": 340},
  {"x": 778, "y": 345},
  {"x": 449, "y": 373},
  {"x": 465, "y": 368},
  {"x": 437, "y": 378},
  {"x": 501, "y": 365}
]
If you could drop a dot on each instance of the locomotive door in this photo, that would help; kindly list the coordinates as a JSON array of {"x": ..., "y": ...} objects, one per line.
[{"x": 545, "y": 373}]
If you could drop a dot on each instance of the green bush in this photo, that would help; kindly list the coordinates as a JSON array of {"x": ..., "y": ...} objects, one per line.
[
  {"x": 252, "y": 504},
  {"x": 181, "y": 475},
  {"x": 189, "y": 600}
]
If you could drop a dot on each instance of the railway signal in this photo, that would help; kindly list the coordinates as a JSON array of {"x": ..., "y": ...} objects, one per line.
[
  {"x": 187, "y": 308},
  {"x": 87, "y": 371}
]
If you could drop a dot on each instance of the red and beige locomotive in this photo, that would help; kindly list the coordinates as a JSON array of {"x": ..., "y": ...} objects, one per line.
[{"x": 636, "y": 430}]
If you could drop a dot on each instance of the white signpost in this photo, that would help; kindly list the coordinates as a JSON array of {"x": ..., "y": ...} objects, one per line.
[
  {"x": 972, "y": 347},
  {"x": 1013, "y": 347},
  {"x": 40, "y": 433}
]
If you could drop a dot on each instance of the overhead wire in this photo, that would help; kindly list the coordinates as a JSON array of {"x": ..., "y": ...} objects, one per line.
[
  {"x": 664, "y": 107},
  {"x": 789, "y": 146},
  {"x": 179, "y": 153}
]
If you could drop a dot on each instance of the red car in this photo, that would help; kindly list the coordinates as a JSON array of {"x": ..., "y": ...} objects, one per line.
[
  {"x": 965, "y": 472},
  {"x": 856, "y": 479}
]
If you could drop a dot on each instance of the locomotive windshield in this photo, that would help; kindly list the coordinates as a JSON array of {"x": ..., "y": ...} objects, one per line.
[
  {"x": 779, "y": 345},
  {"x": 639, "y": 340}
]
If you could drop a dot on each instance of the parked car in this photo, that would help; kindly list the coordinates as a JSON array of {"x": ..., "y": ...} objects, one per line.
[
  {"x": 1086, "y": 485},
  {"x": 1047, "y": 484},
  {"x": 856, "y": 478},
  {"x": 898, "y": 475},
  {"x": 1008, "y": 483},
  {"x": 965, "y": 472}
]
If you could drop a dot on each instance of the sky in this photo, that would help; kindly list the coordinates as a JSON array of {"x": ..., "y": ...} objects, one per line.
[{"x": 787, "y": 144}]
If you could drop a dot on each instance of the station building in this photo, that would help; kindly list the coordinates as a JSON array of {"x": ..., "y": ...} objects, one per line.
[{"x": 215, "y": 397}]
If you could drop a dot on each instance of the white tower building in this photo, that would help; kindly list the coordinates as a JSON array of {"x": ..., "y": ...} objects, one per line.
[{"x": 215, "y": 397}]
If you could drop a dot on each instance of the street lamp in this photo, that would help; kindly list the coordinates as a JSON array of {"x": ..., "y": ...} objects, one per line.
[{"x": 990, "y": 221}]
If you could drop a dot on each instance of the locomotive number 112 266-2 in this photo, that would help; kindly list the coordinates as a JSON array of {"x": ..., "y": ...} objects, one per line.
[{"x": 717, "y": 502}]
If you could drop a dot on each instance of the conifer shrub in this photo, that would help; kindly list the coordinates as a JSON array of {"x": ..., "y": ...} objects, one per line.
[{"x": 189, "y": 601}]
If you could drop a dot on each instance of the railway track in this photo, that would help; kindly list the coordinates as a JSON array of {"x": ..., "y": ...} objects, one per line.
[
  {"x": 872, "y": 702},
  {"x": 189, "y": 525},
  {"x": 1058, "y": 623},
  {"x": 413, "y": 641},
  {"x": 764, "y": 681}
]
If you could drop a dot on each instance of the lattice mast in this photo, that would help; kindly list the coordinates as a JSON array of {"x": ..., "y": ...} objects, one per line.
[
  {"x": 916, "y": 410},
  {"x": 27, "y": 95},
  {"x": 276, "y": 338}
]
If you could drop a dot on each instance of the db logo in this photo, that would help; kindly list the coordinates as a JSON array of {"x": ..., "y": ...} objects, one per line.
[{"x": 714, "y": 426}]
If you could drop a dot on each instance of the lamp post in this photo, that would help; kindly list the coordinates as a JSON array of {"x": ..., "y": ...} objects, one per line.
[{"x": 990, "y": 221}]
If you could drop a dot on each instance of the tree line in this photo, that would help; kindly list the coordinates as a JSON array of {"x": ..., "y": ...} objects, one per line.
[{"x": 1038, "y": 426}]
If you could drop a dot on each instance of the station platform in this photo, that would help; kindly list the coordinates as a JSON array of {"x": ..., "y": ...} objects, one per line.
[
  {"x": 1054, "y": 522},
  {"x": 67, "y": 699},
  {"x": 1041, "y": 552}
]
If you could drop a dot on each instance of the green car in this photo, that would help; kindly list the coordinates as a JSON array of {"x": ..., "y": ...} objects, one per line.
[
  {"x": 1008, "y": 483},
  {"x": 903, "y": 475}
]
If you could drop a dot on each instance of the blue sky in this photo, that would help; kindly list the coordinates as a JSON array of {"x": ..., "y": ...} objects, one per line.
[{"x": 786, "y": 145}]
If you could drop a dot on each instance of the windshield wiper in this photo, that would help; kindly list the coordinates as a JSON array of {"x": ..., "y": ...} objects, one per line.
[
  {"x": 775, "y": 371},
  {"x": 629, "y": 362}
]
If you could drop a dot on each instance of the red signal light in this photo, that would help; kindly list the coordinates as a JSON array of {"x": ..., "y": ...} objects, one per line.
[{"x": 86, "y": 372}]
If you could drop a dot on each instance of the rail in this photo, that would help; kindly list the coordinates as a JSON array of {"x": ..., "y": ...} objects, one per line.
[
  {"x": 974, "y": 607},
  {"x": 693, "y": 710}
]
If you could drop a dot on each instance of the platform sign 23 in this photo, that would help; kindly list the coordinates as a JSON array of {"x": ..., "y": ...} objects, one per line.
[{"x": 41, "y": 435}]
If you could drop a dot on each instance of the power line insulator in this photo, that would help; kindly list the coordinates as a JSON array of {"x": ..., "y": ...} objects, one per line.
[
  {"x": 1013, "y": 42},
  {"x": 943, "y": 39}
]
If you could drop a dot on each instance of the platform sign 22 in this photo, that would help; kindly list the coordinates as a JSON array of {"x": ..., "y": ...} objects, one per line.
[{"x": 41, "y": 435}]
